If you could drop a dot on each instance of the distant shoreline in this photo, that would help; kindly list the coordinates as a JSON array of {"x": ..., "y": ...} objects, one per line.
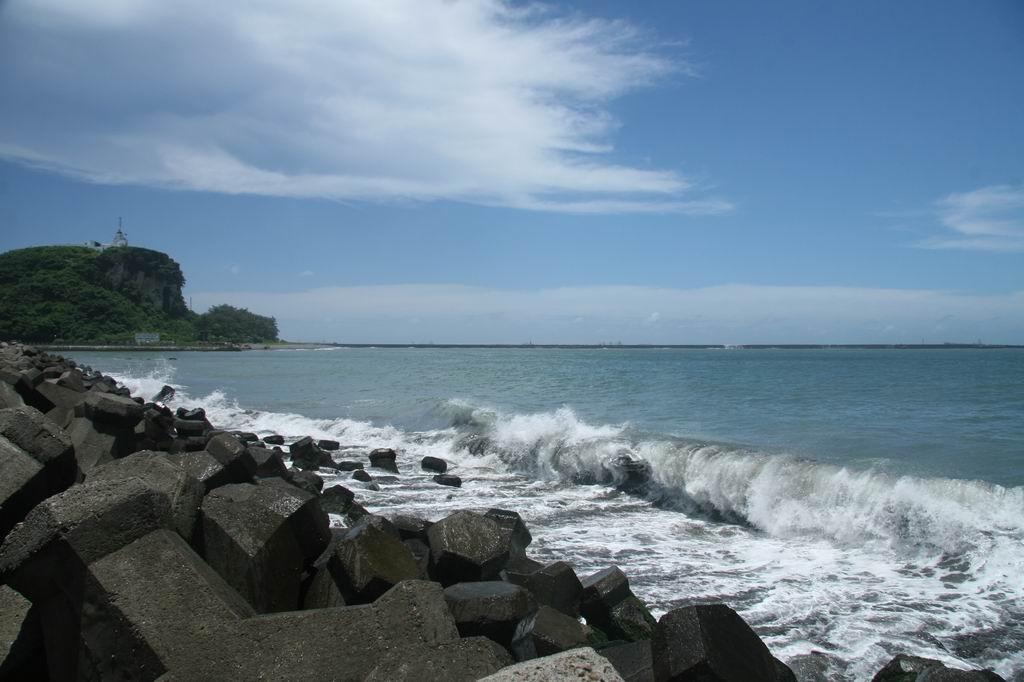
[{"x": 530, "y": 346}]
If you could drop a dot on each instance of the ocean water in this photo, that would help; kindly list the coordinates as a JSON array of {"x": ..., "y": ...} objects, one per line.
[{"x": 850, "y": 504}]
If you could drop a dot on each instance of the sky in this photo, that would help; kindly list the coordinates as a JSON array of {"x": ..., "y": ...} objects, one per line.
[{"x": 500, "y": 171}]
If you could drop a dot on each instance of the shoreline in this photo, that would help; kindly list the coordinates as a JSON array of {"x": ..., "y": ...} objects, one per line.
[{"x": 90, "y": 348}]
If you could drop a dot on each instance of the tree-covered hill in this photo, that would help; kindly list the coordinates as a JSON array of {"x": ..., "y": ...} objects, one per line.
[{"x": 74, "y": 294}]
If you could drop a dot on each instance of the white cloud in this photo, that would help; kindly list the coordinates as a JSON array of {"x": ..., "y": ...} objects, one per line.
[
  {"x": 719, "y": 314},
  {"x": 484, "y": 101},
  {"x": 306, "y": 273},
  {"x": 652, "y": 318},
  {"x": 234, "y": 269},
  {"x": 985, "y": 219}
]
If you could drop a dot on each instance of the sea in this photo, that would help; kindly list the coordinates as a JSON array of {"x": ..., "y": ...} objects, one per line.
[{"x": 849, "y": 504}]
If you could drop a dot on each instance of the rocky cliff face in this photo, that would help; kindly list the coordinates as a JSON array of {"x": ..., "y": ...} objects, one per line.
[{"x": 144, "y": 276}]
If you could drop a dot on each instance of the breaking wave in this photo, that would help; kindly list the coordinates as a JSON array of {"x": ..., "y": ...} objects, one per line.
[
  {"x": 953, "y": 548},
  {"x": 779, "y": 495}
]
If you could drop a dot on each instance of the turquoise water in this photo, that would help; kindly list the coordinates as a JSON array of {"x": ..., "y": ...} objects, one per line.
[
  {"x": 849, "y": 503},
  {"x": 955, "y": 413}
]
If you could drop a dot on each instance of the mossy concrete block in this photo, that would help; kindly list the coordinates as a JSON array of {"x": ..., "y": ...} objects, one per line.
[
  {"x": 466, "y": 547},
  {"x": 368, "y": 561}
]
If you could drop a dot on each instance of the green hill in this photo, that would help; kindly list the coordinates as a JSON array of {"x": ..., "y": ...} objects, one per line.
[{"x": 75, "y": 294}]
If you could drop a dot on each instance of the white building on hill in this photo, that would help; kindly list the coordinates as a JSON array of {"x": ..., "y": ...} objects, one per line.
[{"x": 120, "y": 239}]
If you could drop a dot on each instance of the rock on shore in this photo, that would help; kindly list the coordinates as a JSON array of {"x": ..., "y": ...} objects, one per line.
[{"x": 139, "y": 543}]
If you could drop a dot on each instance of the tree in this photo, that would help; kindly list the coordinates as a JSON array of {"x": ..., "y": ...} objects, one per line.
[{"x": 227, "y": 323}]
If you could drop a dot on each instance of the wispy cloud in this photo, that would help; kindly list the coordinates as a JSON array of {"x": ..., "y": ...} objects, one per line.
[
  {"x": 485, "y": 101},
  {"x": 985, "y": 219},
  {"x": 719, "y": 314}
]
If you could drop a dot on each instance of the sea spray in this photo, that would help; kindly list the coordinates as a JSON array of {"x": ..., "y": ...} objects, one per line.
[{"x": 838, "y": 565}]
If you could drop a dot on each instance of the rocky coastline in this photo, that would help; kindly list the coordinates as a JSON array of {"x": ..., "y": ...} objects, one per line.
[{"x": 141, "y": 543}]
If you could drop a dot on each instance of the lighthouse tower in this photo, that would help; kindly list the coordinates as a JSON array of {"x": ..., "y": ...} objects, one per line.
[{"x": 120, "y": 238}]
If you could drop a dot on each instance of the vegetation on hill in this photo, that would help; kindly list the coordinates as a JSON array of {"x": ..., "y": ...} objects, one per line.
[
  {"x": 74, "y": 294},
  {"x": 227, "y": 323}
]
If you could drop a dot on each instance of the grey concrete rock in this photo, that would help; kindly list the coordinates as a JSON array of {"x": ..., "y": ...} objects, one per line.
[
  {"x": 328, "y": 445},
  {"x": 709, "y": 642},
  {"x": 164, "y": 394},
  {"x": 232, "y": 454},
  {"x": 23, "y": 384},
  {"x": 570, "y": 666},
  {"x": 412, "y": 614},
  {"x": 609, "y": 605},
  {"x": 22, "y": 486},
  {"x": 518, "y": 569},
  {"x": 347, "y": 465},
  {"x": 194, "y": 414},
  {"x": 274, "y": 439},
  {"x": 514, "y": 528},
  {"x": 382, "y": 523},
  {"x": 306, "y": 480},
  {"x": 553, "y": 632},
  {"x": 420, "y": 551},
  {"x": 435, "y": 464},
  {"x": 465, "y": 547},
  {"x": 554, "y": 585},
  {"x": 47, "y": 444},
  {"x": 9, "y": 397},
  {"x": 904, "y": 668},
  {"x": 47, "y": 552},
  {"x": 632, "y": 660},
  {"x": 320, "y": 590},
  {"x": 607, "y": 587},
  {"x": 191, "y": 428},
  {"x": 268, "y": 462},
  {"x": 36, "y": 461},
  {"x": 148, "y": 608},
  {"x": 207, "y": 470},
  {"x": 61, "y": 396},
  {"x": 384, "y": 458},
  {"x": 72, "y": 379},
  {"x": 260, "y": 538},
  {"x": 497, "y": 610},
  {"x": 366, "y": 561},
  {"x": 449, "y": 480},
  {"x": 306, "y": 455},
  {"x": 362, "y": 476},
  {"x": 160, "y": 473},
  {"x": 97, "y": 443},
  {"x": 337, "y": 499},
  {"x": 22, "y": 651},
  {"x": 112, "y": 409},
  {"x": 157, "y": 426},
  {"x": 411, "y": 527},
  {"x": 463, "y": 660}
]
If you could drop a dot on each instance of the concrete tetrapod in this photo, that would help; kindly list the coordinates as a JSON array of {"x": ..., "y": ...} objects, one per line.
[{"x": 260, "y": 538}]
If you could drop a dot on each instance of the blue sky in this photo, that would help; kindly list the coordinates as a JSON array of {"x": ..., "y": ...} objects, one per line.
[{"x": 488, "y": 171}]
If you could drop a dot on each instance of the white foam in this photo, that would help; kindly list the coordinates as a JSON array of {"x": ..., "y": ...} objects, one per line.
[{"x": 858, "y": 565}]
